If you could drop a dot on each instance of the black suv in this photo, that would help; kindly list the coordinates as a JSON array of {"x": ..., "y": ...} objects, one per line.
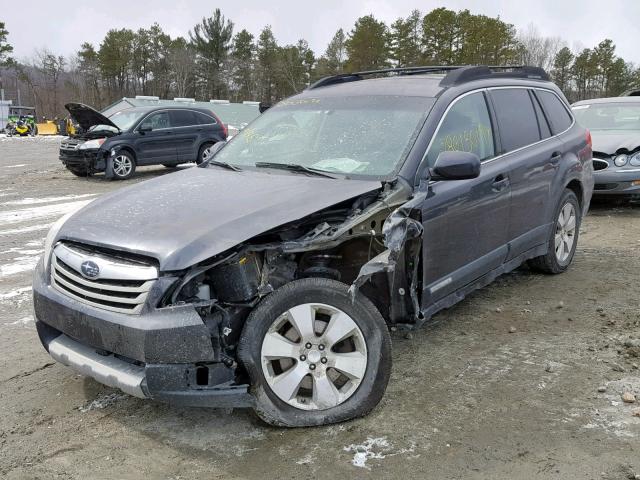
[
  {"x": 138, "y": 136},
  {"x": 356, "y": 205}
]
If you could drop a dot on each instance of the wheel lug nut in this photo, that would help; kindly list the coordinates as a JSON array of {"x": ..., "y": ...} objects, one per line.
[
  {"x": 323, "y": 359},
  {"x": 303, "y": 358},
  {"x": 320, "y": 347},
  {"x": 312, "y": 366},
  {"x": 308, "y": 345}
]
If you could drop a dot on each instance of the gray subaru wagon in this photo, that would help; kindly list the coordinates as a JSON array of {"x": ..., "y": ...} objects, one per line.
[{"x": 269, "y": 276}]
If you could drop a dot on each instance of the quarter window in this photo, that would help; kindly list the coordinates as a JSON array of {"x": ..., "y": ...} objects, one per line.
[
  {"x": 204, "y": 119},
  {"x": 467, "y": 128},
  {"x": 516, "y": 118},
  {"x": 556, "y": 111},
  {"x": 545, "y": 132}
]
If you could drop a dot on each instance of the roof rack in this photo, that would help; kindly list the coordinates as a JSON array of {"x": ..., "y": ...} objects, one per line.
[{"x": 455, "y": 74}]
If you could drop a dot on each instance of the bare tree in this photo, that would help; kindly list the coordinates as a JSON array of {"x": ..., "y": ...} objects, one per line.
[{"x": 537, "y": 50}]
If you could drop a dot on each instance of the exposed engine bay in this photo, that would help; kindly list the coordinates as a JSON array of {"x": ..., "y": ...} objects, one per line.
[{"x": 365, "y": 243}]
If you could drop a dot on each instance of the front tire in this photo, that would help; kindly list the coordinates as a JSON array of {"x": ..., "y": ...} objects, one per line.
[
  {"x": 79, "y": 172},
  {"x": 314, "y": 356},
  {"x": 563, "y": 237},
  {"x": 124, "y": 165}
]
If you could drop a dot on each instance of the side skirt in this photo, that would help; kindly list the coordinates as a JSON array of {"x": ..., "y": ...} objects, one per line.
[{"x": 481, "y": 282}]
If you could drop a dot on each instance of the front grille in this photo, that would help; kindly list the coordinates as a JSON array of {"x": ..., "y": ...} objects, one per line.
[{"x": 121, "y": 286}]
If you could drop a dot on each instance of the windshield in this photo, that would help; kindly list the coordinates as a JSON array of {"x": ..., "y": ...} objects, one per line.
[
  {"x": 356, "y": 136},
  {"x": 609, "y": 116},
  {"x": 126, "y": 118}
]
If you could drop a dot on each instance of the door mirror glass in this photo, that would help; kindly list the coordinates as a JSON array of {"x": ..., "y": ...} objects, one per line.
[
  {"x": 455, "y": 165},
  {"x": 146, "y": 127}
]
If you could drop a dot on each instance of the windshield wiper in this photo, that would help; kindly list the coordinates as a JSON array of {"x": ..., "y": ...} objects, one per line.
[
  {"x": 223, "y": 165},
  {"x": 294, "y": 167}
]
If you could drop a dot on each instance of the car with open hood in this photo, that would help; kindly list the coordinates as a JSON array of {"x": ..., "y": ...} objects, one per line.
[
  {"x": 138, "y": 136},
  {"x": 269, "y": 277},
  {"x": 614, "y": 124}
]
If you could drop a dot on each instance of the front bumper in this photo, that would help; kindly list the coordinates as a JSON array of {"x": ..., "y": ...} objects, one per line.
[
  {"x": 164, "y": 354},
  {"x": 91, "y": 160},
  {"x": 617, "y": 181}
]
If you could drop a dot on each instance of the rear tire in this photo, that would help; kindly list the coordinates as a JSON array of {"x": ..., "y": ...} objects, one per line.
[
  {"x": 323, "y": 393},
  {"x": 202, "y": 153},
  {"x": 563, "y": 237}
]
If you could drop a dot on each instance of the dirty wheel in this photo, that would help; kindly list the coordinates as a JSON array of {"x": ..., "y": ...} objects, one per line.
[
  {"x": 563, "y": 237},
  {"x": 124, "y": 165},
  {"x": 314, "y": 356},
  {"x": 204, "y": 153}
]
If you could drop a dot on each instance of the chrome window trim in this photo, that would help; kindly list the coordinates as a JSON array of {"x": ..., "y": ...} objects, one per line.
[
  {"x": 167, "y": 110},
  {"x": 487, "y": 89}
]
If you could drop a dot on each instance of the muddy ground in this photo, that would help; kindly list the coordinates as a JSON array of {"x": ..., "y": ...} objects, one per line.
[{"x": 468, "y": 398}]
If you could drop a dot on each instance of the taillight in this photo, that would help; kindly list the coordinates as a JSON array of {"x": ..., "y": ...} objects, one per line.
[
  {"x": 589, "y": 142},
  {"x": 224, "y": 125}
]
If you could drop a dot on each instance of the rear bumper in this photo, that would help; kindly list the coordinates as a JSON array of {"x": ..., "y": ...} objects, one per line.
[
  {"x": 161, "y": 354},
  {"x": 617, "y": 182}
]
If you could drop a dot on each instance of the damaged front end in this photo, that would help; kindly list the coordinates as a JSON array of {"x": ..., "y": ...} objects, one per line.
[{"x": 372, "y": 244}]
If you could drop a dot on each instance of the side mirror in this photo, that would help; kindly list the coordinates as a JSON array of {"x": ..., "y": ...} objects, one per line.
[
  {"x": 456, "y": 166},
  {"x": 144, "y": 129}
]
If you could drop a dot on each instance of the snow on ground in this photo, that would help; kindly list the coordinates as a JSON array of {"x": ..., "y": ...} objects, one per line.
[
  {"x": 35, "y": 201},
  {"x": 43, "y": 211}
]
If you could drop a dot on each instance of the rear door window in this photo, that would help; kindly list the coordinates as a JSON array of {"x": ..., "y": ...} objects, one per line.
[
  {"x": 183, "y": 118},
  {"x": 466, "y": 127},
  {"x": 516, "y": 118},
  {"x": 556, "y": 111}
]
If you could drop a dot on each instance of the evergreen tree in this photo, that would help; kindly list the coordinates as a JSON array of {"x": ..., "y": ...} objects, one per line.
[
  {"x": 5, "y": 48},
  {"x": 440, "y": 36},
  {"x": 212, "y": 41},
  {"x": 561, "y": 72},
  {"x": 368, "y": 45},
  {"x": 242, "y": 56},
  {"x": 267, "y": 52},
  {"x": 406, "y": 40}
]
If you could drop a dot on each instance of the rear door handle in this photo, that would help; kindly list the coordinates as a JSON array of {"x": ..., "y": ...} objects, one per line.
[
  {"x": 555, "y": 157},
  {"x": 500, "y": 183}
]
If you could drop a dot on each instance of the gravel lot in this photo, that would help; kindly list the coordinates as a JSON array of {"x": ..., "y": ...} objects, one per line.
[{"x": 507, "y": 384}]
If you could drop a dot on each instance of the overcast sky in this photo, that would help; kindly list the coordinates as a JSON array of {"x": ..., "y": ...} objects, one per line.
[{"x": 62, "y": 27}]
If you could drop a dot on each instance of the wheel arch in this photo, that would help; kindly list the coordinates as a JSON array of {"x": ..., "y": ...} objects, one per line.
[{"x": 576, "y": 187}]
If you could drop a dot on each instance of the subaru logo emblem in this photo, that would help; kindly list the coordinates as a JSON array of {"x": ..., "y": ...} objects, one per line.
[{"x": 90, "y": 269}]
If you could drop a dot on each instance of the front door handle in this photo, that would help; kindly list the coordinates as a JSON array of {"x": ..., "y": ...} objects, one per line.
[{"x": 500, "y": 183}]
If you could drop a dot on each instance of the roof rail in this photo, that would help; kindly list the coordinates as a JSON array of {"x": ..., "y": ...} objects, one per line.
[
  {"x": 478, "y": 72},
  {"x": 455, "y": 74},
  {"x": 351, "y": 77}
]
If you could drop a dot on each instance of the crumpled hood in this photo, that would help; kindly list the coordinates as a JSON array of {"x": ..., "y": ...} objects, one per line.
[
  {"x": 186, "y": 217},
  {"x": 86, "y": 116},
  {"x": 606, "y": 141}
]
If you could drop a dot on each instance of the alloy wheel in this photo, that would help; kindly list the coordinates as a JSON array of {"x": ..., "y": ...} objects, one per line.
[
  {"x": 314, "y": 356},
  {"x": 122, "y": 165},
  {"x": 565, "y": 235}
]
